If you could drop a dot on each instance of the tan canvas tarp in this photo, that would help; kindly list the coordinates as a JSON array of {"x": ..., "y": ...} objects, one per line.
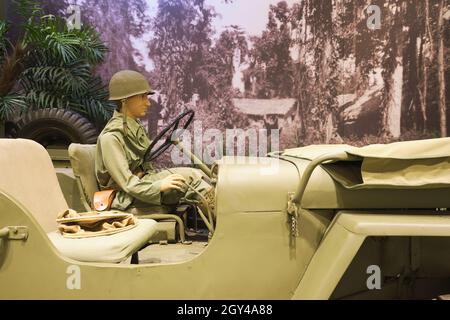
[{"x": 409, "y": 164}]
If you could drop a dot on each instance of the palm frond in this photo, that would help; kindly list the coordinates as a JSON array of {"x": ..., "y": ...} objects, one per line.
[
  {"x": 50, "y": 34},
  {"x": 37, "y": 57},
  {"x": 33, "y": 35},
  {"x": 62, "y": 45},
  {"x": 28, "y": 9},
  {"x": 91, "y": 46},
  {"x": 3, "y": 41},
  {"x": 41, "y": 99},
  {"x": 10, "y": 104},
  {"x": 99, "y": 111},
  {"x": 51, "y": 23},
  {"x": 94, "y": 104},
  {"x": 68, "y": 80},
  {"x": 97, "y": 89},
  {"x": 71, "y": 87},
  {"x": 58, "y": 68},
  {"x": 3, "y": 30}
]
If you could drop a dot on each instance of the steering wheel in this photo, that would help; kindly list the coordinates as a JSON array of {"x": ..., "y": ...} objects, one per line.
[{"x": 169, "y": 134}]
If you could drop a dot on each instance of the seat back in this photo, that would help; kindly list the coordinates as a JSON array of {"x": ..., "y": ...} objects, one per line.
[
  {"x": 82, "y": 159},
  {"x": 28, "y": 175}
]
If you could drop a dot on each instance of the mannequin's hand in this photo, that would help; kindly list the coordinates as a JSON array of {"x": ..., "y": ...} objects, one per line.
[{"x": 174, "y": 181}]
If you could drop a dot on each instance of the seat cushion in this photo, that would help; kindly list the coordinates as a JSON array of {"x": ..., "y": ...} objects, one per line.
[
  {"x": 82, "y": 159},
  {"x": 112, "y": 248}
]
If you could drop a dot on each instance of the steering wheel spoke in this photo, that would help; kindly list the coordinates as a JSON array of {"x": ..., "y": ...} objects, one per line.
[{"x": 151, "y": 154}]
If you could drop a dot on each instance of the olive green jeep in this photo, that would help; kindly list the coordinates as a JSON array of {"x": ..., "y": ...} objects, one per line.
[{"x": 318, "y": 222}]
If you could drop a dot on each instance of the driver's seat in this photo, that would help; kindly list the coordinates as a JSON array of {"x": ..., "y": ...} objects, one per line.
[{"x": 82, "y": 159}]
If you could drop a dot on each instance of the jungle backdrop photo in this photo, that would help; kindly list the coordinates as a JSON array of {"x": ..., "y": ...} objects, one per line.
[{"x": 320, "y": 71}]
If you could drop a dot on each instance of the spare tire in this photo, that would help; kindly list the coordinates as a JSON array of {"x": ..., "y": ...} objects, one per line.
[{"x": 53, "y": 126}]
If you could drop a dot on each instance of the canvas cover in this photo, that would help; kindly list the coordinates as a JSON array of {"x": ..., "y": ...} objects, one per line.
[{"x": 408, "y": 164}]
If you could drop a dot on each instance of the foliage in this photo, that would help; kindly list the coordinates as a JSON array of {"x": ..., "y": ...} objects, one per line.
[
  {"x": 221, "y": 58},
  {"x": 406, "y": 39},
  {"x": 118, "y": 23},
  {"x": 58, "y": 67},
  {"x": 10, "y": 103},
  {"x": 271, "y": 62},
  {"x": 188, "y": 62},
  {"x": 10, "y": 66},
  {"x": 182, "y": 31},
  {"x": 3, "y": 41},
  {"x": 336, "y": 55},
  {"x": 316, "y": 74}
]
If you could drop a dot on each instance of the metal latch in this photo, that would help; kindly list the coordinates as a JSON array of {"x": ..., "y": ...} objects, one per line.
[
  {"x": 14, "y": 233},
  {"x": 292, "y": 211}
]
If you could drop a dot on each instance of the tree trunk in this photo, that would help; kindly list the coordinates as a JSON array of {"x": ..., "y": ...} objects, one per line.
[
  {"x": 423, "y": 92},
  {"x": 428, "y": 27},
  {"x": 358, "y": 10},
  {"x": 412, "y": 113},
  {"x": 392, "y": 118},
  {"x": 327, "y": 126},
  {"x": 320, "y": 124},
  {"x": 441, "y": 73},
  {"x": 427, "y": 61},
  {"x": 393, "y": 79}
]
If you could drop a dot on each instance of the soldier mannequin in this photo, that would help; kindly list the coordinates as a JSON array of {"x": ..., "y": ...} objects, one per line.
[{"x": 121, "y": 147}]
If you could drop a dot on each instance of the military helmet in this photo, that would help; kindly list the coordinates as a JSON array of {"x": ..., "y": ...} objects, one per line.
[{"x": 128, "y": 83}]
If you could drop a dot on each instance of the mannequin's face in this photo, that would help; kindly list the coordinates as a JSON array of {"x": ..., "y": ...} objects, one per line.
[{"x": 136, "y": 106}]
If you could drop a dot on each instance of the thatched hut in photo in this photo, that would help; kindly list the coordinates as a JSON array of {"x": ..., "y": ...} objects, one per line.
[{"x": 269, "y": 113}]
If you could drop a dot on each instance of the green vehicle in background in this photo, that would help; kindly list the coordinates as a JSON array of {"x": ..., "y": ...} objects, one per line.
[{"x": 318, "y": 222}]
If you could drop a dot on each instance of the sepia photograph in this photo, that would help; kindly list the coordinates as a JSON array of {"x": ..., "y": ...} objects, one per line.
[{"x": 225, "y": 149}]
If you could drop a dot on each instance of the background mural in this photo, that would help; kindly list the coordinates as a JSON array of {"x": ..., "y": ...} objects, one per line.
[{"x": 322, "y": 71}]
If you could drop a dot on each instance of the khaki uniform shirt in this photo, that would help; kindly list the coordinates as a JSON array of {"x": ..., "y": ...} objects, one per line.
[{"x": 118, "y": 156}]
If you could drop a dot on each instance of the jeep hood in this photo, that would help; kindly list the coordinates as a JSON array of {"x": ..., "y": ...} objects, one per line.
[{"x": 404, "y": 175}]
